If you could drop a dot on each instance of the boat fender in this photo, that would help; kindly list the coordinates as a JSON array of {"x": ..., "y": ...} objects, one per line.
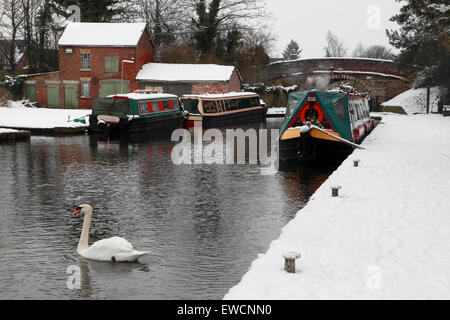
[{"x": 101, "y": 124}]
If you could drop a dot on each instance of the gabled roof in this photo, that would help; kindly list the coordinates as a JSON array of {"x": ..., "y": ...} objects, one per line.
[
  {"x": 175, "y": 72},
  {"x": 102, "y": 34}
]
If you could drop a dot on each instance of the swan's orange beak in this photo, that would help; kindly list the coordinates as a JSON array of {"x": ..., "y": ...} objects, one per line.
[{"x": 76, "y": 212}]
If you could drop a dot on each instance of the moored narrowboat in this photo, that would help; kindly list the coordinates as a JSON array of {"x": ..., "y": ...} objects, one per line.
[
  {"x": 136, "y": 112},
  {"x": 324, "y": 125},
  {"x": 212, "y": 110}
]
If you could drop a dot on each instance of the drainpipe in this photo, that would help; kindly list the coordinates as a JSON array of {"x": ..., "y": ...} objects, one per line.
[{"x": 124, "y": 61}]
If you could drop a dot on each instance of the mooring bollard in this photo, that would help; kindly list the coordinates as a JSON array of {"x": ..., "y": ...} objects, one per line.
[
  {"x": 335, "y": 191},
  {"x": 356, "y": 163},
  {"x": 289, "y": 262}
]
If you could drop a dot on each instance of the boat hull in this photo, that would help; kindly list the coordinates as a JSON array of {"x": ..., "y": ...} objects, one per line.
[
  {"x": 228, "y": 119},
  {"x": 167, "y": 122},
  {"x": 310, "y": 149}
]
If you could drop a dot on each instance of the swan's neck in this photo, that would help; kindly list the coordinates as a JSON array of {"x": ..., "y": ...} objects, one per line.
[{"x": 84, "y": 239}]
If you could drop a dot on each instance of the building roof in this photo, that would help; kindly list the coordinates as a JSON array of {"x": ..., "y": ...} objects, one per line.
[
  {"x": 222, "y": 95},
  {"x": 102, "y": 34},
  {"x": 174, "y": 72}
]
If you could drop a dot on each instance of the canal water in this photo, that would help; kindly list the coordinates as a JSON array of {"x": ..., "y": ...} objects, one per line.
[{"x": 203, "y": 224}]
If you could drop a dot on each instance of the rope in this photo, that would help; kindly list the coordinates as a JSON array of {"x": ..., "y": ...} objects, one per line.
[{"x": 354, "y": 145}]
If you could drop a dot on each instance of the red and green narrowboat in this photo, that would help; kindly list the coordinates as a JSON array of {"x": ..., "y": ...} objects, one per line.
[
  {"x": 136, "y": 112},
  {"x": 324, "y": 125}
]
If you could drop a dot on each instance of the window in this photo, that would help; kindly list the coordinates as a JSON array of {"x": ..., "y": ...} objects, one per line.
[
  {"x": 234, "y": 104},
  {"x": 85, "y": 61},
  {"x": 191, "y": 105},
  {"x": 85, "y": 88},
  {"x": 175, "y": 104},
  {"x": 143, "y": 107},
  {"x": 111, "y": 64},
  {"x": 166, "y": 105},
  {"x": 209, "y": 107},
  {"x": 244, "y": 103},
  {"x": 155, "y": 106}
]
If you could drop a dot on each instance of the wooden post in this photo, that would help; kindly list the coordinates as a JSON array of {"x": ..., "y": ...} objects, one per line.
[
  {"x": 289, "y": 262},
  {"x": 428, "y": 98},
  {"x": 335, "y": 191}
]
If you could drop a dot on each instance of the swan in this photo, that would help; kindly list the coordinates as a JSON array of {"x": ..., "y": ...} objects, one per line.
[{"x": 113, "y": 249}]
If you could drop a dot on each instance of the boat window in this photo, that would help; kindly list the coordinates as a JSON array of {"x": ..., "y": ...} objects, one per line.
[
  {"x": 233, "y": 104},
  {"x": 209, "y": 107},
  {"x": 143, "y": 107},
  {"x": 166, "y": 105},
  {"x": 244, "y": 103},
  {"x": 227, "y": 105},
  {"x": 155, "y": 106},
  {"x": 190, "y": 105},
  {"x": 254, "y": 102},
  {"x": 339, "y": 108},
  {"x": 176, "y": 104}
]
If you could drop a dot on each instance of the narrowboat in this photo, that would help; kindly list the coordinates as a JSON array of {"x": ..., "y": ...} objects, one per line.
[
  {"x": 324, "y": 125},
  {"x": 136, "y": 112},
  {"x": 215, "y": 110}
]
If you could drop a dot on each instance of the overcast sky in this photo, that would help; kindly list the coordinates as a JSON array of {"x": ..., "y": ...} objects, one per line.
[{"x": 353, "y": 21}]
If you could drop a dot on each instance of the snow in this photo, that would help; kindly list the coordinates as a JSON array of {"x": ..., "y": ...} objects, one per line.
[
  {"x": 415, "y": 100},
  {"x": 386, "y": 235},
  {"x": 102, "y": 34},
  {"x": 41, "y": 118},
  {"x": 7, "y": 131},
  {"x": 276, "y": 111},
  {"x": 332, "y": 58},
  {"x": 174, "y": 72},
  {"x": 145, "y": 96},
  {"x": 361, "y": 72},
  {"x": 220, "y": 96}
]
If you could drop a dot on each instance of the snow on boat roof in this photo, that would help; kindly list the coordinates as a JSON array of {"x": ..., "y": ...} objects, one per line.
[
  {"x": 220, "y": 96},
  {"x": 174, "y": 72},
  {"x": 144, "y": 96},
  {"x": 102, "y": 34},
  {"x": 332, "y": 58}
]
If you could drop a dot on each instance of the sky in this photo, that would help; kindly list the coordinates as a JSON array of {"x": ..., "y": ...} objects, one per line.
[{"x": 308, "y": 21}]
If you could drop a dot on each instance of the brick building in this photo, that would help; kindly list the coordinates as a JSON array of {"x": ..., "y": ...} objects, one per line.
[
  {"x": 182, "y": 79},
  {"x": 91, "y": 58}
]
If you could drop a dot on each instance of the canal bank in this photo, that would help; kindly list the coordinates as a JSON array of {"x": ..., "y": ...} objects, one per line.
[
  {"x": 385, "y": 236},
  {"x": 44, "y": 121},
  {"x": 7, "y": 135}
]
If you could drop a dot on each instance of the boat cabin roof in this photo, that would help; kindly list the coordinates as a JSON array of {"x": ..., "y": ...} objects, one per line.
[
  {"x": 143, "y": 96},
  {"x": 229, "y": 95}
]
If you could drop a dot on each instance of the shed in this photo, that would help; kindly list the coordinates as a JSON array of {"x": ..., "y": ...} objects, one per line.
[{"x": 183, "y": 79}]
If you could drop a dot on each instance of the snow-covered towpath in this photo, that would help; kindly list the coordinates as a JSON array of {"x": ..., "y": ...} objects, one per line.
[{"x": 388, "y": 234}]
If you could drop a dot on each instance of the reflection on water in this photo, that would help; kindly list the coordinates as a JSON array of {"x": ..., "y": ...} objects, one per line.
[{"x": 203, "y": 224}]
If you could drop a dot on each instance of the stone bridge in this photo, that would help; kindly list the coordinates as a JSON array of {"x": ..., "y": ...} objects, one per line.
[{"x": 379, "y": 77}]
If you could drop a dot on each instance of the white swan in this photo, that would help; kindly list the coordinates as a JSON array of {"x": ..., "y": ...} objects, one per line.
[{"x": 113, "y": 249}]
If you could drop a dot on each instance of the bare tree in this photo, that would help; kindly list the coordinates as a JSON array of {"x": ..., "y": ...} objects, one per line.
[
  {"x": 334, "y": 47},
  {"x": 12, "y": 20}
]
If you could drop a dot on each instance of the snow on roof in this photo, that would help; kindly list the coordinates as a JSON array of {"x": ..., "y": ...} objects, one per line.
[
  {"x": 332, "y": 58},
  {"x": 102, "y": 34},
  {"x": 173, "y": 72},
  {"x": 145, "y": 96},
  {"x": 369, "y": 73},
  {"x": 220, "y": 96}
]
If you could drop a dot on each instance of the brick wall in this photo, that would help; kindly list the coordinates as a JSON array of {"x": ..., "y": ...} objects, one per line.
[{"x": 71, "y": 72}]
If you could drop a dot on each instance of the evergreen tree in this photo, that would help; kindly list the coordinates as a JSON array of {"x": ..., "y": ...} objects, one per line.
[
  {"x": 292, "y": 49},
  {"x": 424, "y": 39},
  {"x": 206, "y": 25},
  {"x": 92, "y": 10}
]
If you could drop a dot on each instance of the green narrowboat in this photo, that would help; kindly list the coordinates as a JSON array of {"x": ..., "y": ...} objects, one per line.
[
  {"x": 324, "y": 125},
  {"x": 136, "y": 112}
]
